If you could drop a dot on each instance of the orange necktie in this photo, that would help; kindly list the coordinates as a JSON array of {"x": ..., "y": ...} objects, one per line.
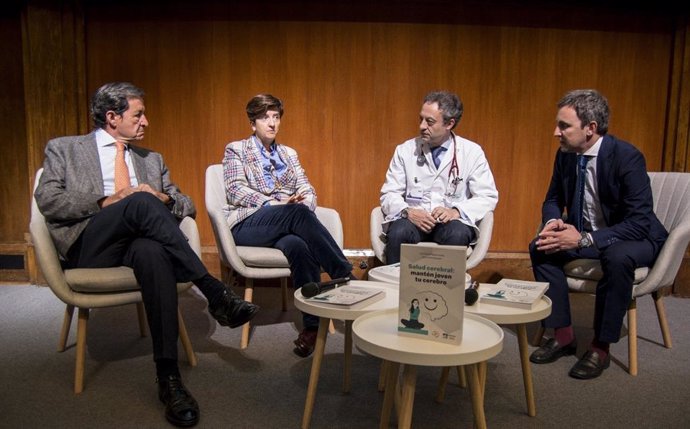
[{"x": 121, "y": 170}]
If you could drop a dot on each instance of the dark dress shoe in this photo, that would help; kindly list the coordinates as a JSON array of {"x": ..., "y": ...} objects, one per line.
[
  {"x": 305, "y": 343},
  {"x": 231, "y": 310},
  {"x": 181, "y": 409},
  {"x": 552, "y": 351},
  {"x": 589, "y": 366}
]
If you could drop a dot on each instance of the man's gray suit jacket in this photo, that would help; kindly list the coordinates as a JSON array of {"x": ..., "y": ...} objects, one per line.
[{"x": 72, "y": 184}]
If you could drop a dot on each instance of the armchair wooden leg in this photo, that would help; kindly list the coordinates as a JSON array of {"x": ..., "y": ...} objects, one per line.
[
  {"x": 661, "y": 315},
  {"x": 184, "y": 339},
  {"x": 66, "y": 324},
  {"x": 81, "y": 350},
  {"x": 141, "y": 315},
  {"x": 284, "y": 292},
  {"x": 248, "y": 295},
  {"x": 632, "y": 337}
]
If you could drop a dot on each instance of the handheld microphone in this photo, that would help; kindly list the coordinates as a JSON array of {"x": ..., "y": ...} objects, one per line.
[
  {"x": 313, "y": 288},
  {"x": 471, "y": 294}
]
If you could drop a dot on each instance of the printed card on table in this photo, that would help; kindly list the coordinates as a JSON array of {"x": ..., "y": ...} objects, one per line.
[{"x": 432, "y": 292}]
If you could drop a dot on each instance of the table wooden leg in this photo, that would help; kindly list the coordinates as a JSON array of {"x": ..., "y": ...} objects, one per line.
[
  {"x": 347, "y": 364},
  {"x": 382, "y": 375},
  {"x": 526, "y": 370},
  {"x": 462, "y": 378},
  {"x": 409, "y": 381},
  {"x": 482, "y": 368},
  {"x": 319, "y": 348},
  {"x": 477, "y": 396},
  {"x": 391, "y": 377},
  {"x": 442, "y": 382}
]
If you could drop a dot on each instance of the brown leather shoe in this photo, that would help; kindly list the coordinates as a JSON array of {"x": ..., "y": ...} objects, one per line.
[{"x": 305, "y": 343}]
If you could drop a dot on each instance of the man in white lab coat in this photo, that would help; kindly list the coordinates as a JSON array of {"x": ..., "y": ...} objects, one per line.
[{"x": 438, "y": 185}]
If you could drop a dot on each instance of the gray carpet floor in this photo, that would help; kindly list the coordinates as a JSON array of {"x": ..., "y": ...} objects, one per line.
[{"x": 264, "y": 386}]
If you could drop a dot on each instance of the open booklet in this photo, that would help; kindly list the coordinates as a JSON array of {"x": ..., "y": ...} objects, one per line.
[
  {"x": 347, "y": 296},
  {"x": 514, "y": 293}
]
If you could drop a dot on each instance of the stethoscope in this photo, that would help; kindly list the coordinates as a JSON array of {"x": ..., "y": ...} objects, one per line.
[{"x": 454, "y": 178}]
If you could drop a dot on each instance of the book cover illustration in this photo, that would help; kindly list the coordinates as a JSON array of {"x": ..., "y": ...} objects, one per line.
[
  {"x": 432, "y": 290},
  {"x": 515, "y": 293}
]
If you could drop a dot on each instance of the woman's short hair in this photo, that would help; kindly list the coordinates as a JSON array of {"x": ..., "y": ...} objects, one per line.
[{"x": 262, "y": 103}]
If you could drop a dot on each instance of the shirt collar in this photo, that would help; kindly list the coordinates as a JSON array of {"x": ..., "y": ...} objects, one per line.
[
  {"x": 594, "y": 150},
  {"x": 104, "y": 139},
  {"x": 445, "y": 145},
  {"x": 262, "y": 148}
]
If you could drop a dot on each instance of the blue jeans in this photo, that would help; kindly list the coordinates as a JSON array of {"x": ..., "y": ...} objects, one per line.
[{"x": 306, "y": 243}]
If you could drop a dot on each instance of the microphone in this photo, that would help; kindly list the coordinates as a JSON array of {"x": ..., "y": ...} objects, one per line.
[
  {"x": 313, "y": 288},
  {"x": 471, "y": 294}
]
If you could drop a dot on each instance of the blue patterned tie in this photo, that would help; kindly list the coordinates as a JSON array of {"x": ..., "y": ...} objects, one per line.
[
  {"x": 436, "y": 154},
  {"x": 579, "y": 200}
]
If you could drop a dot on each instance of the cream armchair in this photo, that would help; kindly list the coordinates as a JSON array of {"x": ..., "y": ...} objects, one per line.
[
  {"x": 253, "y": 262},
  {"x": 671, "y": 193},
  {"x": 91, "y": 288},
  {"x": 475, "y": 254}
]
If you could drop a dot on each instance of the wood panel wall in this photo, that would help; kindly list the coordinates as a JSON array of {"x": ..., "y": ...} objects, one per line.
[
  {"x": 353, "y": 91},
  {"x": 352, "y": 76},
  {"x": 13, "y": 171}
]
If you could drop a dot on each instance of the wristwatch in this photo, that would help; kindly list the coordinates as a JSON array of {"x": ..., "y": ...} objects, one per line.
[
  {"x": 403, "y": 213},
  {"x": 585, "y": 240}
]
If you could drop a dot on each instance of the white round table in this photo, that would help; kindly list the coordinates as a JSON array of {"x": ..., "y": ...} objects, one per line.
[
  {"x": 328, "y": 312},
  {"x": 506, "y": 315},
  {"x": 376, "y": 333},
  {"x": 500, "y": 314}
]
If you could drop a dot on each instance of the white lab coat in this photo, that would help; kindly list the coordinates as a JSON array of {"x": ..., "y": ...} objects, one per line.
[{"x": 410, "y": 183}]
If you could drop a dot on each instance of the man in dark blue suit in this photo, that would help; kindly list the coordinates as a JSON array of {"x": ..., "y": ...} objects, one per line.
[{"x": 602, "y": 184}]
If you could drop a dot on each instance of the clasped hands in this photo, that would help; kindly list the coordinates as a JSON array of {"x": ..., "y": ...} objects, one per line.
[
  {"x": 557, "y": 236},
  {"x": 426, "y": 221},
  {"x": 124, "y": 193}
]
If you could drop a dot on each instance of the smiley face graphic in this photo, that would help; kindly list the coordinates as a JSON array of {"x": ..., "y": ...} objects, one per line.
[{"x": 434, "y": 304}]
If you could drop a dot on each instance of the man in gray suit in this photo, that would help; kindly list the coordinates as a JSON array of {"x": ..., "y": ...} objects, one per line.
[{"x": 108, "y": 203}]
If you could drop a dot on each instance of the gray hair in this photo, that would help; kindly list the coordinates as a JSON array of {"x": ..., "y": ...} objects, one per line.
[
  {"x": 589, "y": 106},
  {"x": 449, "y": 104},
  {"x": 112, "y": 96}
]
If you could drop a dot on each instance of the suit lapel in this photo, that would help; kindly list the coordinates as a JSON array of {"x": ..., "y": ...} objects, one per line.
[
  {"x": 604, "y": 172},
  {"x": 139, "y": 165},
  {"x": 87, "y": 154}
]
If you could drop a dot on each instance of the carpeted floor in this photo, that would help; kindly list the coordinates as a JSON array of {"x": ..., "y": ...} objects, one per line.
[{"x": 265, "y": 385}]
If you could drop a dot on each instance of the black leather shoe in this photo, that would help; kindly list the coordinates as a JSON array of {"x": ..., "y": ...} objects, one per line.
[
  {"x": 305, "y": 343},
  {"x": 181, "y": 409},
  {"x": 589, "y": 366},
  {"x": 552, "y": 351},
  {"x": 230, "y": 310}
]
